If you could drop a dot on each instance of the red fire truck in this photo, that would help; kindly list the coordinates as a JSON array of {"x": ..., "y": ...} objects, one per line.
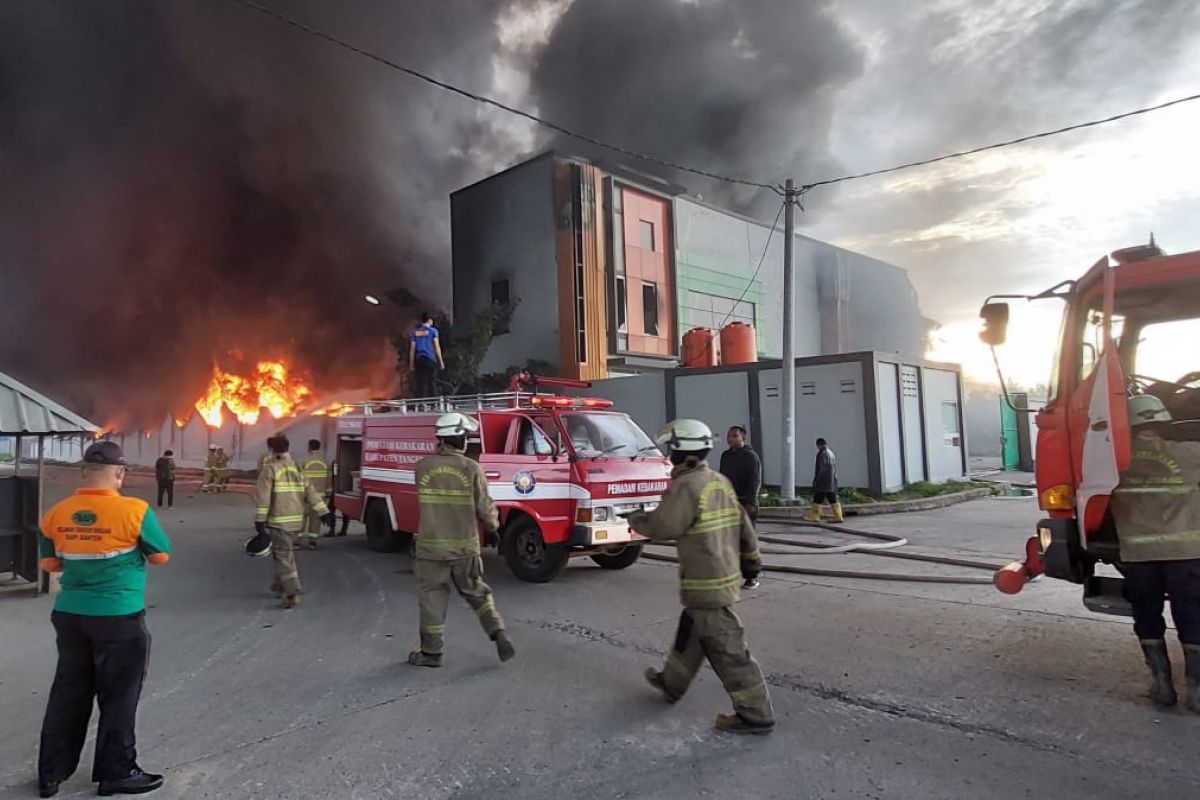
[
  {"x": 1127, "y": 321},
  {"x": 563, "y": 472}
]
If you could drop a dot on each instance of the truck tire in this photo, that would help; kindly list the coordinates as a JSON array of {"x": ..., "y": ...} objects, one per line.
[
  {"x": 527, "y": 554},
  {"x": 625, "y": 557},
  {"x": 381, "y": 537}
]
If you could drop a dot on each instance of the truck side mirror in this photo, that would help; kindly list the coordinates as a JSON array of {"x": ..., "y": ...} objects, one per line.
[{"x": 995, "y": 324}]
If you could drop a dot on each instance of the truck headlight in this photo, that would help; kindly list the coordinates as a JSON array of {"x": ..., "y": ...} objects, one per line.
[{"x": 600, "y": 514}]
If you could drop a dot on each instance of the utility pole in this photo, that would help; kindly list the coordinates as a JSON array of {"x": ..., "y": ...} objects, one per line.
[{"x": 787, "y": 481}]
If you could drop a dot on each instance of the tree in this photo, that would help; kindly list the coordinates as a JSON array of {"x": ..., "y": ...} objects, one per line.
[{"x": 464, "y": 344}]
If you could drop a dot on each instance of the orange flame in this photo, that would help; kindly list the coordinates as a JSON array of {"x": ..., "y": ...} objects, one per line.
[
  {"x": 269, "y": 387},
  {"x": 332, "y": 410}
]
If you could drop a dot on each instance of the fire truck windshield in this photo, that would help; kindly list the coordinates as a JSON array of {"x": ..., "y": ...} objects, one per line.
[{"x": 593, "y": 435}]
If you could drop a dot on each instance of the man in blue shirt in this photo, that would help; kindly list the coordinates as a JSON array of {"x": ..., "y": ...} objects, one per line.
[{"x": 425, "y": 357}]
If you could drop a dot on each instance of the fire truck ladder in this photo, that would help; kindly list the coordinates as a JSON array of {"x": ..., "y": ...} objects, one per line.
[{"x": 465, "y": 402}]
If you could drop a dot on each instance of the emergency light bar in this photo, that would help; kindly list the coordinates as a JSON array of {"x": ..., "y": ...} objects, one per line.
[{"x": 559, "y": 401}]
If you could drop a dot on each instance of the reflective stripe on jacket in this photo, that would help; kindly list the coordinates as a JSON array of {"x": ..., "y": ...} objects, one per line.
[
  {"x": 317, "y": 472},
  {"x": 713, "y": 535},
  {"x": 453, "y": 496},
  {"x": 1156, "y": 506},
  {"x": 283, "y": 495}
]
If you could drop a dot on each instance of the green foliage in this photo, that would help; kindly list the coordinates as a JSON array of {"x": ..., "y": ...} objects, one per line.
[{"x": 464, "y": 344}]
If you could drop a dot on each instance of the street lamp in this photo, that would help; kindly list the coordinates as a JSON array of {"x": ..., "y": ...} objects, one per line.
[{"x": 372, "y": 299}]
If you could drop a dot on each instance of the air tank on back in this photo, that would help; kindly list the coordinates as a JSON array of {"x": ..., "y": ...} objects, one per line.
[
  {"x": 699, "y": 349},
  {"x": 738, "y": 344}
]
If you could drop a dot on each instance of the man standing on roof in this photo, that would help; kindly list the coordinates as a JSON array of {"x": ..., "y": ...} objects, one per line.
[
  {"x": 100, "y": 541},
  {"x": 425, "y": 357},
  {"x": 282, "y": 498},
  {"x": 453, "y": 496},
  {"x": 717, "y": 549}
]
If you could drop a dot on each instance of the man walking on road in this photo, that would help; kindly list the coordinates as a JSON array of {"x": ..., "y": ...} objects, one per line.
[
  {"x": 164, "y": 475},
  {"x": 282, "y": 498},
  {"x": 825, "y": 484},
  {"x": 740, "y": 464},
  {"x": 717, "y": 548},
  {"x": 1156, "y": 511},
  {"x": 425, "y": 357},
  {"x": 453, "y": 496},
  {"x": 100, "y": 541},
  {"x": 316, "y": 472}
]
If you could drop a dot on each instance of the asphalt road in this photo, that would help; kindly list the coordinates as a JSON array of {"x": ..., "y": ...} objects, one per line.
[{"x": 882, "y": 690}]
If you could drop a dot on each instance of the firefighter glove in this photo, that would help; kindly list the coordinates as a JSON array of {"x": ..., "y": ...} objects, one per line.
[
  {"x": 261, "y": 528},
  {"x": 327, "y": 518}
]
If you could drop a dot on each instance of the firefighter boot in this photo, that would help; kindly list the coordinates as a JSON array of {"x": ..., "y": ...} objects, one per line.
[
  {"x": 504, "y": 646},
  {"x": 734, "y": 723},
  {"x": 291, "y": 601},
  {"x": 1162, "y": 687},
  {"x": 420, "y": 659},
  {"x": 655, "y": 679},
  {"x": 837, "y": 513},
  {"x": 814, "y": 513},
  {"x": 1191, "y": 652}
]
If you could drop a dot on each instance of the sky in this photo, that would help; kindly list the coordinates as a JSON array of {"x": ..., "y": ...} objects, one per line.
[{"x": 243, "y": 183}]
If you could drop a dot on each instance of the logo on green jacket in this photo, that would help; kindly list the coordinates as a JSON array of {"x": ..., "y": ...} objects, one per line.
[{"x": 84, "y": 517}]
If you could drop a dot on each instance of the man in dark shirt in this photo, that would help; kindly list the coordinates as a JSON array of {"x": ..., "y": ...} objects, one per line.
[
  {"x": 741, "y": 466},
  {"x": 825, "y": 484},
  {"x": 164, "y": 473}
]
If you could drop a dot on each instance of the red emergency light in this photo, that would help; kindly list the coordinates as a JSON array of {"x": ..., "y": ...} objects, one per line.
[{"x": 559, "y": 401}]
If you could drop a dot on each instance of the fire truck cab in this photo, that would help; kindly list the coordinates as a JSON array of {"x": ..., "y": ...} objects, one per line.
[
  {"x": 563, "y": 472},
  {"x": 1128, "y": 328}
]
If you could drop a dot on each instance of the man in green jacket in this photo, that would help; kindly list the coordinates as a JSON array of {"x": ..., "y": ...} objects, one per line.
[
  {"x": 717, "y": 549},
  {"x": 453, "y": 496}
]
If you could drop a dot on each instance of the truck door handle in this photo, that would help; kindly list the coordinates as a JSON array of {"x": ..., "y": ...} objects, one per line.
[{"x": 491, "y": 474}]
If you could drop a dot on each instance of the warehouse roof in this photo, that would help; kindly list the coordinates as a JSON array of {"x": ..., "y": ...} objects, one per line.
[{"x": 24, "y": 412}]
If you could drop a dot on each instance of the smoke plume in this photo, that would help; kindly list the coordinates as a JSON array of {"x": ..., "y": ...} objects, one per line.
[{"x": 191, "y": 181}]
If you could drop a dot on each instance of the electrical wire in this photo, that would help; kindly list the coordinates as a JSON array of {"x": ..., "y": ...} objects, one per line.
[
  {"x": 479, "y": 98},
  {"x": 997, "y": 145}
]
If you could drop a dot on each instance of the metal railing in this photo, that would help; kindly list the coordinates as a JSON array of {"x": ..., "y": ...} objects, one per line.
[{"x": 427, "y": 405}]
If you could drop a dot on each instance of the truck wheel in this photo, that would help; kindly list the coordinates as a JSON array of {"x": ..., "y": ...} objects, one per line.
[
  {"x": 625, "y": 557},
  {"x": 528, "y": 556},
  {"x": 380, "y": 536}
]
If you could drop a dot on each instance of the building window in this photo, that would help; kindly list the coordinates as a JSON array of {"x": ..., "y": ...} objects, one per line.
[
  {"x": 950, "y": 427},
  {"x": 501, "y": 297},
  {"x": 713, "y": 311},
  {"x": 622, "y": 304},
  {"x": 577, "y": 191},
  {"x": 650, "y": 309},
  {"x": 647, "y": 232}
]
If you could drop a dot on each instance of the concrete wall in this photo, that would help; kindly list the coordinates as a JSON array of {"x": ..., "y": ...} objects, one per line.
[
  {"x": 504, "y": 227},
  {"x": 721, "y": 400}
]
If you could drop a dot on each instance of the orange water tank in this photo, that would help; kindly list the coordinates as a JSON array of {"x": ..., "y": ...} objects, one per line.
[
  {"x": 699, "y": 348},
  {"x": 738, "y": 345}
]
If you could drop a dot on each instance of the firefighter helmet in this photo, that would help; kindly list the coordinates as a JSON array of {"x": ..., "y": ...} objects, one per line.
[
  {"x": 686, "y": 436},
  {"x": 455, "y": 424},
  {"x": 1145, "y": 408},
  {"x": 258, "y": 545}
]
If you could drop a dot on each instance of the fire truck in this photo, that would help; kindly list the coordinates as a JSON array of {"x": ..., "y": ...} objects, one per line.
[
  {"x": 563, "y": 471},
  {"x": 1132, "y": 317}
]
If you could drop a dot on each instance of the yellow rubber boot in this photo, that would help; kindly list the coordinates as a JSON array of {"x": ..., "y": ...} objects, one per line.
[
  {"x": 814, "y": 513},
  {"x": 837, "y": 513}
]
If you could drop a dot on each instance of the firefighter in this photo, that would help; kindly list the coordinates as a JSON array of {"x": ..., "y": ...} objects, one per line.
[
  {"x": 222, "y": 469},
  {"x": 825, "y": 484},
  {"x": 1156, "y": 512},
  {"x": 717, "y": 549},
  {"x": 453, "y": 496},
  {"x": 316, "y": 472},
  {"x": 210, "y": 470},
  {"x": 282, "y": 498}
]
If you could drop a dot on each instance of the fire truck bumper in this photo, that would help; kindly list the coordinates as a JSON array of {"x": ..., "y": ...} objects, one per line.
[{"x": 599, "y": 534}]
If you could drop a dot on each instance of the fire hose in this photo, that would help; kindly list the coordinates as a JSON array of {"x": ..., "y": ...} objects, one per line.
[{"x": 885, "y": 546}]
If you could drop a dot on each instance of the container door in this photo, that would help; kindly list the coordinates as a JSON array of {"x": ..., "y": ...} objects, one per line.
[{"x": 1009, "y": 441}]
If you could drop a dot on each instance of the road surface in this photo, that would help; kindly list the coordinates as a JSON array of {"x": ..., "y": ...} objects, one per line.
[{"x": 882, "y": 690}]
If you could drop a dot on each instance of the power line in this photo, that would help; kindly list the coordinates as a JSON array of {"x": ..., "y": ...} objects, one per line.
[
  {"x": 761, "y": 259},
  {"x": 479, "y": 98},
  {"x": 1044, "y": 134}
]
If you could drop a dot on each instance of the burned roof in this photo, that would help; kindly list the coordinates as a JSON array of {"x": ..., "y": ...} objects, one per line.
[{"x": 25, "y": 412}]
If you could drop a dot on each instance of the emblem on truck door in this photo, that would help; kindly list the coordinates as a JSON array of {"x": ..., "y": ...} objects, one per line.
[{"x": 524, "y": 482}]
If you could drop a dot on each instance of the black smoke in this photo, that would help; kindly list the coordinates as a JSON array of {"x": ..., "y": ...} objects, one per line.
[
  {"x": 743, "y": 89},
  {"x": 191, "y": 180}
]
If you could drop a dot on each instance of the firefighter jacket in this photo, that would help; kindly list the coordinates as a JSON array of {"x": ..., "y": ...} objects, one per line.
[
  {"x": 316, "y": 471},
  {"x": 221, "y": 460},
  {"x": 453, "y": 496},
  {"x": 713, "y": 535},
  {"x": 282, "y": 496},
  {"x": 1156, "y": 506},
  {"x": 210, "y": 460}
]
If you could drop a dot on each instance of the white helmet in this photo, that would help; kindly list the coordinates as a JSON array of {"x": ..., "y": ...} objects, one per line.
[
  {"x": 1145, "y": 408},
  {"x": 212, "y": 447},
  {"x": 686, "y": 436},
  {"x": 456, "y": 424}
]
